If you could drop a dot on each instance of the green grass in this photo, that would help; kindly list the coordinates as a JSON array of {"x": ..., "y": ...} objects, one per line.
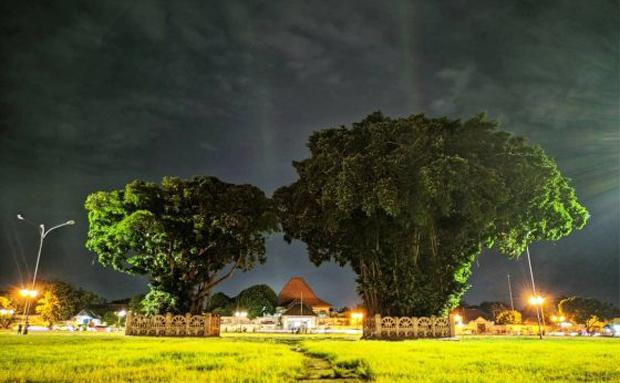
[
  {"x": 96, "y": 358},
  {"x": 490, "y": 359},
  {"x": 114, "y": 358}
]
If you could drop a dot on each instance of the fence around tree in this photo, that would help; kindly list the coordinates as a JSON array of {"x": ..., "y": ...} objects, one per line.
[
  {"x": 173, "y": 325},
  {"x": 388, "y": 327}
]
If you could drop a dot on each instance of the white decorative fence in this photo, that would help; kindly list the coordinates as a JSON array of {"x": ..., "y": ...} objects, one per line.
[
  {"x": 173, "y": 325},
  {"x": 379, "y": 327}
]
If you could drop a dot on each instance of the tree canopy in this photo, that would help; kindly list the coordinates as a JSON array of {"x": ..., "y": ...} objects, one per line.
[
  {"x": 255, "y": 300},
  {"x": 258, "y": 300},
  {"x": 7, "y": 312},
  {"x": 410, "y": 202},
  {"x": 508, "y": 317},
  {"x": 220, "y": 303},
  {"x": 582, "y": 310},
  {"x": 185, "y": 235},
  {"x": 60, "y": 301}
]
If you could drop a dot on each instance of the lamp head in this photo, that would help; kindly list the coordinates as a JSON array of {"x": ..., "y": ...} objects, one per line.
[
  {"x": 70, "y": 222},
  {"x": 20, "y": 217}
]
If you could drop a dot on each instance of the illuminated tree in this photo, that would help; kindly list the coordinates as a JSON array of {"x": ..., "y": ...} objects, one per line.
[
  {"x": 186, "y": 236},
  {"x": 409, "y": 203},
  {"x": 587, "y": 311},
  {"x": 508, "y": 317},
  {"x": 51, "y": 308},
  {"x": 7, "y": 312},
  {"x": 60, "y": 301}
]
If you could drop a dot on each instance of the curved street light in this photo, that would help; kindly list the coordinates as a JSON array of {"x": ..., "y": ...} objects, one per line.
[{"x": 43, "y": 233}]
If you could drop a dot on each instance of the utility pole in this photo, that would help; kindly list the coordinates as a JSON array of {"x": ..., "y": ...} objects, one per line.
[
  {"x": 512, "y": 303},
  {"x": 529, "y": 262}
]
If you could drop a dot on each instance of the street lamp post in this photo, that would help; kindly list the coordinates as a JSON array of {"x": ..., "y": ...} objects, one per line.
[
  {"x": 27, "y": 294},
  {"x": 537, "y": 301},
  {"x": 119, "y": 315},
  {"x": 42, "y": 233},
  {"x": 529, "y": 262}
]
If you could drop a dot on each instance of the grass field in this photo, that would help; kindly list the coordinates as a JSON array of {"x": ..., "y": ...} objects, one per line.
[
  {"x": 258, "y": 358},
  {"x": 115, "y": 358},
  {"x": 477, "y": 359}
]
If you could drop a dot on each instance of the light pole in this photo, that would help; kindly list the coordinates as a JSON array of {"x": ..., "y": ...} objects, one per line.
[
  {"x": 512, "y": 303},
  {"x": 119, "y": 315},
  {"x": 534, "y": 297},
  {"x": 537, "y": 300},
  {"x": 42, "y": 233}
]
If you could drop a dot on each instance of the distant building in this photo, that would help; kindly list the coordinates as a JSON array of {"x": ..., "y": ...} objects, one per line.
[
  {"x": 297, "y": 290},
  {"x": 87, "y": 318},
  {"x": 472, "y": 321},
  {"x": 298, "y": 310},
  {"x": 298, "y": 316}
]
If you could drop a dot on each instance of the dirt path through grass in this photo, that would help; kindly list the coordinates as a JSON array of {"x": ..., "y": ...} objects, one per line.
[{"x": 320, "y": 369}]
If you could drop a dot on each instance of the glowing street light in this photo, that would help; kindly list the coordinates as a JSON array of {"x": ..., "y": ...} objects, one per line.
[
  {"x": 357, "y": 318},
  {"x": 119, "y": 315},
  {"x": 556, "y": 318},
  {"x": 42, "y": 233},
  {"x": 239, "y": 315},
  {"x": 536, "y": 300},
  {"x": 28, "y": 293},
  {"x": 458, "y": 320}
]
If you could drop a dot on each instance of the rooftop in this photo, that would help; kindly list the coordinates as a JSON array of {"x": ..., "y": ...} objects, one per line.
[{"x": 296, "y": 289}]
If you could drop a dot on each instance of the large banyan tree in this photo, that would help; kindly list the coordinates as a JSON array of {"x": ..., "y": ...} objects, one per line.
[
  {"x": 410, "y": 202},
  {"x": 186, "y": 236}
]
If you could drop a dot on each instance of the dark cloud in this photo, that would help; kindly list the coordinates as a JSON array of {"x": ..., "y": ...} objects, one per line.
[{"x": 94, "y": 94}]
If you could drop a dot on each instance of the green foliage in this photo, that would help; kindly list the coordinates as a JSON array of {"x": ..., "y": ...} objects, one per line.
[
  {"x": 508, "y": 317},
  {"x": 582, "y": 310},
  {"x": 409, "y": 203},
  {"x": 493, "y": 308},
  {"x": 135, "y": 304},
  {"x": 157, "y": 301},
  {"x": 221, "y": 304},
  {"x": 7, "y": 318},
  {"x": 181, "y": 234},
  {"x": 111, "y": 318},
  {"x": 256, "y": 300},
  {"x": 51, "y": 308},
  {"x": 61, "y": 301},
  {"x": 6, "y": 304}
]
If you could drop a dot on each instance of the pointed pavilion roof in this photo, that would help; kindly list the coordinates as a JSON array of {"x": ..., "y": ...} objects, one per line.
[
  {"x": 297, "y": 289},
  {"x": 296, "y": 308}
]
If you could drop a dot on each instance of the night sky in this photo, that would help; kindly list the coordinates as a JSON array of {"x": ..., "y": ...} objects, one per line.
[{"x": 96, "y": 94}]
